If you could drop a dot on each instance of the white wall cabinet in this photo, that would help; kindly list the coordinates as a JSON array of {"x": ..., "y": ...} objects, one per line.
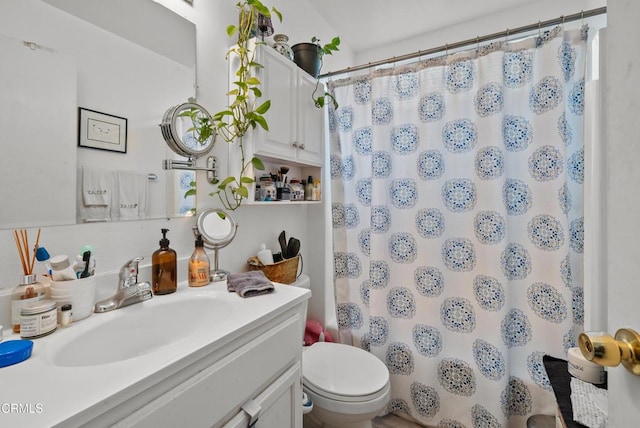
[
  {"x": 295, "y": 123},
  {"x": 296, "y": 126}
]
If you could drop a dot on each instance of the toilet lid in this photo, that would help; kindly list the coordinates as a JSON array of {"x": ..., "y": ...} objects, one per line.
[{"x": 343, "y": 371}]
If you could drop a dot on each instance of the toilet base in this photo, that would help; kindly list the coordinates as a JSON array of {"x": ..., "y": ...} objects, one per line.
[{"x": 321, "y": 418}]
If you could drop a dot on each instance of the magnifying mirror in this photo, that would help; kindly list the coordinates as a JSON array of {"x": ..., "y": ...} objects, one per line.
[
  {"x": 188, "y": 130},
  {"x": 218, "y": 230}
]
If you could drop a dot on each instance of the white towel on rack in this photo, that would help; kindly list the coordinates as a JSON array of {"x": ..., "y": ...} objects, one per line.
[
  {"x": 92, "y": 213},
  {"x": 96, "y": 187},
  {"x": 132, "y": 195}
]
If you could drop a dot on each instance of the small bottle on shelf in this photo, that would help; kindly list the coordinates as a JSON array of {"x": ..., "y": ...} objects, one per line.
[
  {"x": 315, "y": 192},
  {"x": 308, "y": 189}
]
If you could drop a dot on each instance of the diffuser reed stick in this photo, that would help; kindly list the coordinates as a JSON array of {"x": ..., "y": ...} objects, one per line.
[{"x": 22, "y": 243}]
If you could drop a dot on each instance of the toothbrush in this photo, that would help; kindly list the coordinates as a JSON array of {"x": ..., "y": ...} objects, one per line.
[{"x": 85, "y": 258}]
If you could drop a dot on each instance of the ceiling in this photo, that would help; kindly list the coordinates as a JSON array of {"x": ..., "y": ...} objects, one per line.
[{"x": 363, "y": 24}]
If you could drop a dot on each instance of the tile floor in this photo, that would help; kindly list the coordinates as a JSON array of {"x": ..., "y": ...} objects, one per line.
[{"x": 393, "y": 421}]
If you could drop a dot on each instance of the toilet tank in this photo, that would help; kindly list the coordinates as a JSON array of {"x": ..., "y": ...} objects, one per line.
[{"x": 302, "y": 282}]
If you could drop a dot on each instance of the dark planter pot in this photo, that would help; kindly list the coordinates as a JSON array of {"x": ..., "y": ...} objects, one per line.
[{"x": 307, "y": 56}]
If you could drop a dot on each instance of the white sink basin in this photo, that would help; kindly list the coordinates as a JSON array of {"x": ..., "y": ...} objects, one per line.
[{"x": 140, "y": 329}]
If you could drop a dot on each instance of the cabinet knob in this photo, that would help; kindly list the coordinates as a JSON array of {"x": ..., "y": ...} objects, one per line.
[
  {"x": 301, "y": 146},
  {"x": 295, "y": 145}
]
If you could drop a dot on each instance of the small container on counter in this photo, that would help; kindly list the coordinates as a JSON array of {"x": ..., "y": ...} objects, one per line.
[
  {"x": 28, "y": 291},
  {"x": 62, "y": 270},
  {"x": 65, "y": 315},
  {"x": 38, "y": 319}
]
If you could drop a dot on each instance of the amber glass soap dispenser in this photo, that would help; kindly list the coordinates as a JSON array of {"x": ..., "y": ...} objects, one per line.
[
  {"x": 199, "y": 265},
  {"x": 164, "y": 270}
]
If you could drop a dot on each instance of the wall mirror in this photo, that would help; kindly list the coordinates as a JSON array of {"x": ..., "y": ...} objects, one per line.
[
  {"x": 218, "y": 229},
  {"x": 85, "y": 84}
]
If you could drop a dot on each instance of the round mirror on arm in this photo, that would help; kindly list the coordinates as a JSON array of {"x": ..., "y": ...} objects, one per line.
[
  {"x": 188, "y": 130},
  {"x": 218, "y": 230}
]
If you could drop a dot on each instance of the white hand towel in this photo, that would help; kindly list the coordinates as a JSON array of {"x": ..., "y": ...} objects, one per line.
[
  {"x": 96, "y": 187},
  {"x": 92, "y": 213},
  {"x": 132, "y": 195}
]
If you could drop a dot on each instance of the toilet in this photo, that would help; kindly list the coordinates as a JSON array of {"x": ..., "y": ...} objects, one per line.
[{"x": 348, "y": 386}]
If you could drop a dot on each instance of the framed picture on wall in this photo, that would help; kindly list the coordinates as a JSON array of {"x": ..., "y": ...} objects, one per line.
[{"x": 102, "y": 131}]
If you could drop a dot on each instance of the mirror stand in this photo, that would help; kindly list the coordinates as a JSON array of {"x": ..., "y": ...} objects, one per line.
[
  {"x": 190, "y": 164},
  {"x": 188, "y": 131},
  {"x": 217, "y": 229}
]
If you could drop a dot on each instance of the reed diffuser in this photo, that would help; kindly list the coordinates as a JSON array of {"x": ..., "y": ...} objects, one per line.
[{"x": 29, "y": 290}]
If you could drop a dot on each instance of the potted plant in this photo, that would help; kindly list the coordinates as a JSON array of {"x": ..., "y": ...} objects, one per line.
[
  {"x": 245, "y": 110},
  {"x": 308, "y": 56}
]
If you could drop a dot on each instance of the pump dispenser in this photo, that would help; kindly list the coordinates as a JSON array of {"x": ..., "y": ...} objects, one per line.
[
  {"x": 164, "y": 270},
  {"x": 199, "y": 265}
]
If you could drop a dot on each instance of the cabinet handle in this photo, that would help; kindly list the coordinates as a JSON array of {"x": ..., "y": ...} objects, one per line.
[
  {"x": 301, "y": 146},
  {"x": 252, "y": 409}
]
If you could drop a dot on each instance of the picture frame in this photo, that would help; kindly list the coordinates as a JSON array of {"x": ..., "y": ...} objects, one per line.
[{"x": 102, "y": 131}]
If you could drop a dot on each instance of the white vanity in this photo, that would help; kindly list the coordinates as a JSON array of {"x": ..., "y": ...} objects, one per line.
[{"x": 198, "y": 357}]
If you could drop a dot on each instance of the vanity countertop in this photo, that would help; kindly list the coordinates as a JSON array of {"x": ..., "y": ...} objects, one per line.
[{"x": 42, "y": 391}]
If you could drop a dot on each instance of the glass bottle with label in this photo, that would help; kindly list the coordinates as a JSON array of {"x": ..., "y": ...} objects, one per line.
[
  {"x": 28, "y": 291},
  {"x": 199, "y": 265}
]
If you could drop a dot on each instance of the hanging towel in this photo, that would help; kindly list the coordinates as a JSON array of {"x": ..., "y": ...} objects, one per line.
[
  {"x": 96, "y": 187},
  {"x": 93, "y": 213},
  {"x": 132, "y": 195},
  {"x": 247, "y": 284}
]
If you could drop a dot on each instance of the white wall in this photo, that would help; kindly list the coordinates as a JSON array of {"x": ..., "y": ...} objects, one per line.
[
  {"x": 622, "y": 251},
  {"x": 527, "y": 14}
]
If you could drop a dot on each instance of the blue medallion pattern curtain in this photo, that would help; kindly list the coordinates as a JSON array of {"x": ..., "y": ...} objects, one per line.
[{"x": 457, "y": 218}]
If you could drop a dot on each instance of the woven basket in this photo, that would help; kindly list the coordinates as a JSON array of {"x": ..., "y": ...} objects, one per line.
[{"x": 284, "y": 272}]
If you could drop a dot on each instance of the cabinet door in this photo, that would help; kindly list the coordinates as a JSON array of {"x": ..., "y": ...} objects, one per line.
[
  {"x": 278, "y": 78},
  {"x": 310, "y": 121},
  {"x": 280, "y": 404}
]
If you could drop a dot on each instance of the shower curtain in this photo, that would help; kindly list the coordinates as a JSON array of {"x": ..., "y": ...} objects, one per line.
[{"x": 458, "y": 225}]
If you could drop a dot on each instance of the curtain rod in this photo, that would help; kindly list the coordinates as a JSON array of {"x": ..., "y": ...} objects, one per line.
[{"x": 480, "y": 39}]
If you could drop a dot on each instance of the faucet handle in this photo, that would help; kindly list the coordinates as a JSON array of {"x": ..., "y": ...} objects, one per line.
[{"x": 129, "y": 272}]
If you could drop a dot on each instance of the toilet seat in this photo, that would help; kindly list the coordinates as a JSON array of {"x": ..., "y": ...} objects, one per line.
[{"x": 344, "y": 373}]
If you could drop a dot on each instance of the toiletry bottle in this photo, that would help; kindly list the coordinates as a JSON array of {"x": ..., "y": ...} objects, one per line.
[
  {"x": 28, "y": 291},
  {"x": 265, "y": 255},
  {"x": 315, "y": 192},
  {"x": 199, "y": 265},
  {"x": 164, "y": 269},
  {"x": 308, "y": 190}
]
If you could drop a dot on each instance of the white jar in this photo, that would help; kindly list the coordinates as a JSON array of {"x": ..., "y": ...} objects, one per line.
[{"x": 38, "y": 319}]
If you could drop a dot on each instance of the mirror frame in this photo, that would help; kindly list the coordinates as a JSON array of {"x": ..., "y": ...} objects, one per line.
[{"x": 175, "y": 139}]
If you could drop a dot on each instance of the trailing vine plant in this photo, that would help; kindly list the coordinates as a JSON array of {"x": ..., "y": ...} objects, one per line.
[
  {"x": 245, "y": 111},
  {"x": 326, "y": 49}
]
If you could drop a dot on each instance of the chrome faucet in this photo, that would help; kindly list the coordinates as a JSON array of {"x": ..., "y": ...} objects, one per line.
[{"x": 130, "y": 291}]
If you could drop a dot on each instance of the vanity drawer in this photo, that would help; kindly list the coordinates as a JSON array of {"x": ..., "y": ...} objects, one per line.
[{"x": 217, "y": 393}]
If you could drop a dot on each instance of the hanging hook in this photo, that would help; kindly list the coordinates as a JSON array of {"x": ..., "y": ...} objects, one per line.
[
  {"x": 562, "y": 22},
  {"x": 477, "y": 43},
  {"x": 581, "y": 18},
  {"x": 539, "y": 29}
]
